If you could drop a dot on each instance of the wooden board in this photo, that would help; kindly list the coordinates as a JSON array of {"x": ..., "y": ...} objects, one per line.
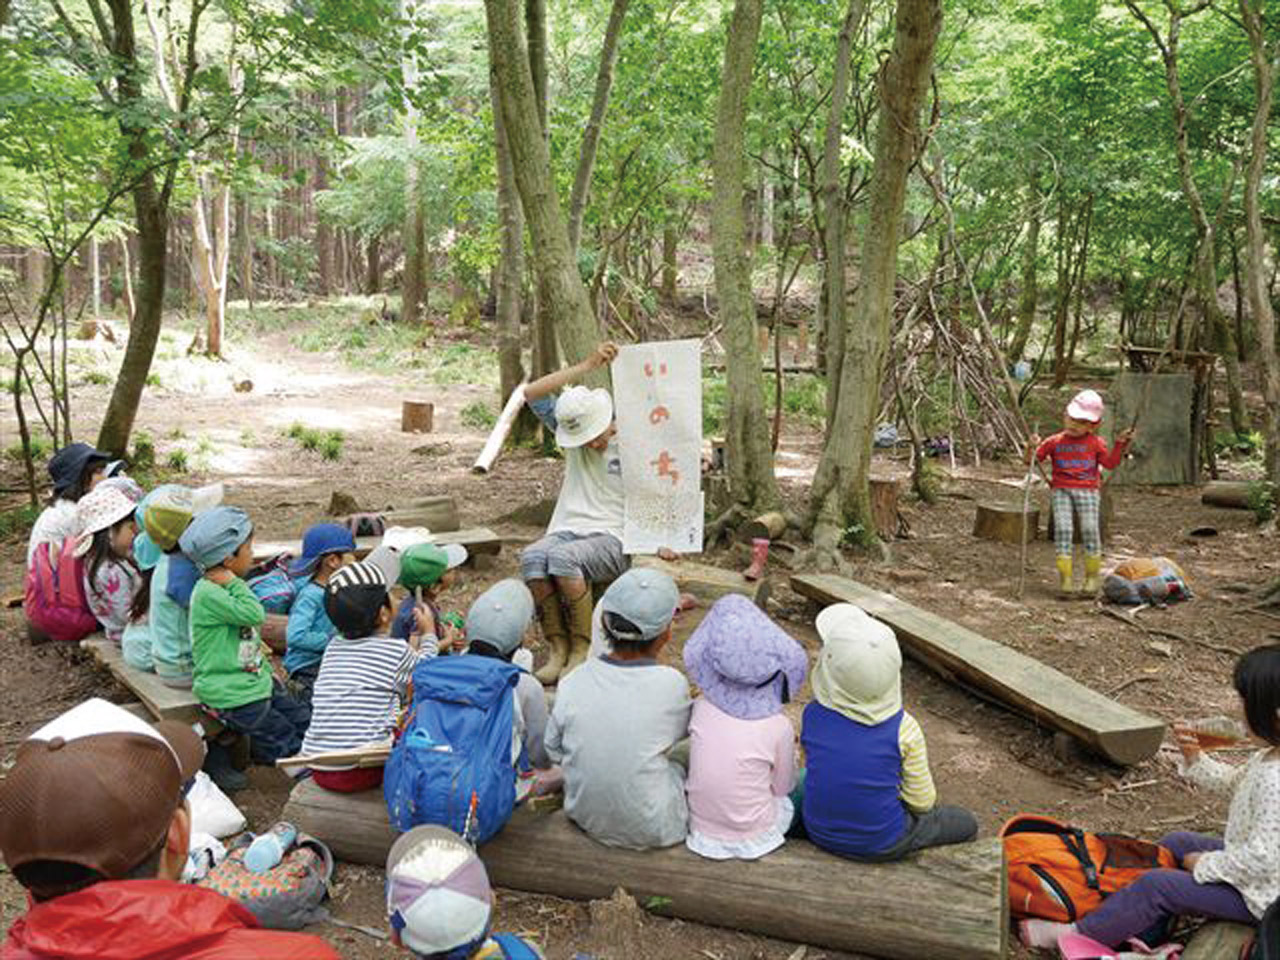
[
  {"x": 1013, "y": 679},
  {"x": 945, "y": 904},
  {"x": 1164, "y": 450},
  {"x": 708, "y": 583},
  {"x": 1218, "y": 940},
  {"x": 479, "y": 541},
  {"x": 165, "y": 703}
]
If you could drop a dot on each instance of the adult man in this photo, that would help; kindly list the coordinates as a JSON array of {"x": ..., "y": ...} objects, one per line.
[{"x": 94, "y": 824}]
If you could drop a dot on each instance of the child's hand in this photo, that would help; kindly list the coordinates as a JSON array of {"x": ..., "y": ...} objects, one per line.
[
  {"x": 1187, "y": 742},
  {"x": 424, "y": 619},
  {"x": 1125, "y": 436},
  {"x": 604, "y": 354},
  {"x": 1189, "y": 861},
  {"x": 453, "y": 638},
  {"x": 666, "y": 553}
]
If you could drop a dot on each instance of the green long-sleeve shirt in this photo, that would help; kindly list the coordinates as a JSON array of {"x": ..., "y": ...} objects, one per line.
[{"x": 230, "y": 669}]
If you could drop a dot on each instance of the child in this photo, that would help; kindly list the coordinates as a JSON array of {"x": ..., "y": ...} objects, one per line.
[
  {"x": 617, "y": 718},
  {"x": 232, "y": 676},
  {"x": 742, "y": 756},
  {"x": 496, "y": 625},
  {"x": 427, "y": 571},
  {"x": 439, "y": 901},
  {"x": 583, "y": 543},
  {"x": 1077, "y": 453},
  {"x": 1234, "y": 878},
  {"x": 868, "y": 794},
  {"x": 111, "y": 578},
  {"x": 75, "y": 470},
  {"x": 325, "y": 548},
  {"x": 364, "y": 674}
]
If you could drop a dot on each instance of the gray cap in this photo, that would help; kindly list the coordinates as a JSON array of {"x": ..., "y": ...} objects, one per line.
[
  {"x": 646, "y": 598},
  {"x": 501, "y": 615}
]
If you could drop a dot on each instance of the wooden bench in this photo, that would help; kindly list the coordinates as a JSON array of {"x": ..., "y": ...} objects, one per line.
[
  {"x": 945, "y": 904},
  {"x": 1013, "y": 679},
  {"x": 708, "y": 583},
  {"x": 479, "y": 541},
  {"x": 164, "y": 703}
]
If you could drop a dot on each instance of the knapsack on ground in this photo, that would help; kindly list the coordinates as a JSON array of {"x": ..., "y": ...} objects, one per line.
[
  {"x": 286, "y": 897},
  {"x": 272, "y": 585},
  {"x": 1146, "y": 580},
  {"x": 1059, "y": 872},
  {"x": 53, "y": 599},
  {"x": 452, "y": 762}
]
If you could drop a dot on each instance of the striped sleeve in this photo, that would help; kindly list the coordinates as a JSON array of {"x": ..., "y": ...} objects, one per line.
[{"x": 917, "y": 790}]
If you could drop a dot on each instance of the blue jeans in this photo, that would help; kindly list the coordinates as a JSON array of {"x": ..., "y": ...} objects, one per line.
[{"x": 274, "y": 725}]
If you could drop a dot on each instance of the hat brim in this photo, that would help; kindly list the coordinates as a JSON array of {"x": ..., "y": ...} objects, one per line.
[
  {"x": 1077, "y": 412},
  {"x": 594, "y": 423},
  {"x": 455, "y": 555},
  {"x": 186, "y": 744}
]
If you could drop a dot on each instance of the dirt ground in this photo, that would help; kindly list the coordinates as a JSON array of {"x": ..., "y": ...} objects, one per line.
[{"x": 982, "y": 756}]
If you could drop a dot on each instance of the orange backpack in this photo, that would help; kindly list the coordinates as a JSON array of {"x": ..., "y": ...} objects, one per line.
[{"x": 1059, "y": 872}]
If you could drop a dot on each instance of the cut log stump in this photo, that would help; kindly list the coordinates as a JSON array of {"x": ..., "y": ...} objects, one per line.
[
  {"x": 885, "y": 513},
  {"x": 417, "y": 416},
  {"x": 1231, "y": 494},
  {"x": 1010, "y": 678},
  {"x": 948, "y": 903},
  {"x": 1004, "y": 522},
  {"x": 767, "y": 526},
  {"x": 1218, "y": 940}
]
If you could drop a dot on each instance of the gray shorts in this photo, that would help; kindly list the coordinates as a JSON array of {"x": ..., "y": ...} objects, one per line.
[{"x": 594, "y": 557}]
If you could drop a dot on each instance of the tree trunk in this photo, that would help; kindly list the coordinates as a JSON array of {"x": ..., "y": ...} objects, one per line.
[
  {"x": 126, "y": 280},
  {"x": 510, "y": 268},
  {"x": 414, "y": 228},
  {"x": 591, "y": 136},
  {"x": 560, "y": 290},
  {"x": 840, "y": 505},
  {"x": 373, "y": 265},
  {"x": 766, "y": 209},
  {"x": 245, "y": 218},
  {"x": 1265, "y": 66},
  {"x": 1030, "y": 260},
  {"x": 833, "y": 207},
  {"x": 670, "y": 245},
  {"x": 750, "y": 459}
]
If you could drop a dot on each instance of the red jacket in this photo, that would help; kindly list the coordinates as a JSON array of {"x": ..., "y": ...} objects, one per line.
[
  {"x": 151, "y": 920},
  {"x": 1076, "y": 459}
]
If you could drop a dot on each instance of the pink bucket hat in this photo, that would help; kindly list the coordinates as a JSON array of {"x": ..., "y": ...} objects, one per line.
[
  {"x": 744, "y": 663},
  {"x": 1086, "y": 405}
]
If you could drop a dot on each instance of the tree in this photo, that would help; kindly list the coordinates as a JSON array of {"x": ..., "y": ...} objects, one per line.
[
  {"x": 840, "y": 500},
  {"x": 747, "y": 449},
  {"x": 415, "y": 222}
]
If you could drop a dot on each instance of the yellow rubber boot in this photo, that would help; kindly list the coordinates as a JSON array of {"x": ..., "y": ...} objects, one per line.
[
  {"x": 1066, "y": 586},
  {"x": 579, "y": 611},
  {"x": 556, "y": 633},
  {"x": 1092, "y": 573}
]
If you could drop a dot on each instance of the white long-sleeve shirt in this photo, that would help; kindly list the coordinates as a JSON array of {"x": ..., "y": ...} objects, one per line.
[{"x": 1250, "y": 858}]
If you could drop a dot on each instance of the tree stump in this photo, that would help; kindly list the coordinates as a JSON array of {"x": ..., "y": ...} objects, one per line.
[
  {"x": 1226, "y": 493},
  {"x": 767, "y": 526},
  {"x": 417, "y": 416},
  {"x": 885, "y": 514},
  {"x": 1003, "y": 522},
  {"x": 1108, "y": 513}
]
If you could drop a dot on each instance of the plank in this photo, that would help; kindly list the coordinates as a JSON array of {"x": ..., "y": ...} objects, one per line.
[
  {"x": 1164, "y": 450},
  {"x": 708, "y": 583},
  {"x": 1218, "y": 940},
  {"x": 164, "y": 703},
  {"x": 945, "y": 904},
  {"x": 479, "y": 541},
  {"x": 1024, "y": 684}
]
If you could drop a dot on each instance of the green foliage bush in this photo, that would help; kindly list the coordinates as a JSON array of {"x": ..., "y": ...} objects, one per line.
[
  {"x": 1261, "y": 498},
  {"x": 478, "y": 415}
]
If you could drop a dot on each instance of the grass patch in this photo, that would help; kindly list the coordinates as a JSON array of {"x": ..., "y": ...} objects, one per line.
[
  {"x": 153, "y": 380},
  {"x": 97, "y": 378},
  {"x": 804, "y": 396},
  {"x": 1261, "y": 497},
  {"x": 478, "y": 415},
  {"x": 248, "y": 438},
  {"x": 40, "y": 449},
  {"x": 178, "y": 461},
  {"x": 327, "y": 443},
  {"x": 18, "y": 521}
]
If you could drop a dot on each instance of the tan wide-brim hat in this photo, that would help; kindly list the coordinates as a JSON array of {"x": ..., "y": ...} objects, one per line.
[
  {"x": 859, "y": 671},
  {"x": 582, "y": 414}
]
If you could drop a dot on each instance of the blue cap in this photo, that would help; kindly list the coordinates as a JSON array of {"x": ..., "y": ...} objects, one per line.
[
  {"x": 215, "y": 535},
  {"x": 321, "y": 539},
  {"x": 645, "y": 598}
]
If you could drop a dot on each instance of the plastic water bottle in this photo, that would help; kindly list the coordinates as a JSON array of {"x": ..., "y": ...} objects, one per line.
[{"x": 268, "y": 849}]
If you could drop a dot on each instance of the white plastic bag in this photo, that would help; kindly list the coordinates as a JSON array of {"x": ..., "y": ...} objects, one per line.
[{"x": 212, "y": 811}]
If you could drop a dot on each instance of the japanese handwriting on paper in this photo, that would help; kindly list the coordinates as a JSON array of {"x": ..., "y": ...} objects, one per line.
[
  {"x": 658, "y": 414},
  {"x": 648, "y": 369},
  {"x": 666, "y": 467}
]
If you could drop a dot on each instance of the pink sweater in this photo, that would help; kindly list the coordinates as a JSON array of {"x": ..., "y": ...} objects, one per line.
[{"x": 737, "y": 769}]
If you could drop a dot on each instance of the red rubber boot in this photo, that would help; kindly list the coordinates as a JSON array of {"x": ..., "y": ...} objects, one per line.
[{"x": 759, "y": 557}]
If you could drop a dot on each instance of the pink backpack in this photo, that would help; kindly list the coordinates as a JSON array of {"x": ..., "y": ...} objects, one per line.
[{"x": 54, "y": 602}]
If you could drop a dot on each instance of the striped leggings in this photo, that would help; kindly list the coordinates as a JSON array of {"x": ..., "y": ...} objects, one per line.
[{"x": 1088, "y": 507}]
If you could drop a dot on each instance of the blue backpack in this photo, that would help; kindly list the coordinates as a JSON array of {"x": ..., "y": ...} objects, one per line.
[
  {"x": 451, "y": 765},
  {"x": 515, "y": 948},
  {"x": 272, "y": 585}
]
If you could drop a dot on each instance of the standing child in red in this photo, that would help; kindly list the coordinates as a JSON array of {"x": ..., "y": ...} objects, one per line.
[{"x": 1077, "y": 453}]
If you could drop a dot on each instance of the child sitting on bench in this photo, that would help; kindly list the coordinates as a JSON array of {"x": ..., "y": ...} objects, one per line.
[
  {"x": 427, "y": 570},
  {"x": 325, "y": 548},
  {"x": 618, "y": 717},
  {"x": 111, "y": 578},
  {"x": 868, "y": 793},
  {"x": 742, "y": 755},
  {"x": 75, "y": 470},
  {"x": 439, "y": 901},
  {"x": 232, "y": 674},
  {"x": 364, "y": 675}
]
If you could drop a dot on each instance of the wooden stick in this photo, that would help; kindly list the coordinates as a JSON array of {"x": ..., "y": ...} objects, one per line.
[
  {"x": 1026, "y": 508},
  {"x": 1171, "y": 634},
  {"x": 501, "y": 430}
]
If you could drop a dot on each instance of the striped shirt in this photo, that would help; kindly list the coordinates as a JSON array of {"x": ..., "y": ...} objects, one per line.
[{"x": 358, "y": 692}]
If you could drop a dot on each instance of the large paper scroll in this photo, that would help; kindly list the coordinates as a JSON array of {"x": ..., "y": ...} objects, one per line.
[{"x": 657, "y": 390}]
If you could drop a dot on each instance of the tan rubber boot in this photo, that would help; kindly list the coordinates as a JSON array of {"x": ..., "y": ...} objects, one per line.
[
  {"x": 579, "y": 631},
  {"x": 1092, "y": 573},
  {"x": 1065, "y": 585},
  {"x": 556, "y": 633}
]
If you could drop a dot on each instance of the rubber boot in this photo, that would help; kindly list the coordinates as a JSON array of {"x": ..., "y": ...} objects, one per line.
[
  {"x": 1092, "y": 573},
  {"x": 759, "y": 557},
  {"x": 554, "y": 631},
  {"x": 579, "y": 631},
  {"x": 1065, "y": 585}
]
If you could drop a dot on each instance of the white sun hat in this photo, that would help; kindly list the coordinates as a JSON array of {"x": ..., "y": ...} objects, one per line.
[{"x": 582, "y": 414}]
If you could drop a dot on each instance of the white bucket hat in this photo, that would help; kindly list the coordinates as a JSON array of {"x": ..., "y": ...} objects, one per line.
[
  {"x": 1086, "y": 405},
  {"x": 859, "y": 672},
  {"x": 402, "y": 538},
  {"x": 100, "y": 509},
  {"x": 582, "y": 414}
]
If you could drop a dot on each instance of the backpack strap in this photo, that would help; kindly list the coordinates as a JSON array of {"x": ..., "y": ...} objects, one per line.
[
  {"x": 1073, "y": 840},
  {"x": 513, "y": 947}
]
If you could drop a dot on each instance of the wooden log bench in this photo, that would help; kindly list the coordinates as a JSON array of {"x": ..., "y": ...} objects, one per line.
[
  {"x": 945, "y": 904},
  {"x": 706, "y": 582},
  {"x": 1218, "y": 940},
  {"x": 1012, "y": 679},
  {"x": 163, "y": 702},
  {"x": 479, "y": 541}
]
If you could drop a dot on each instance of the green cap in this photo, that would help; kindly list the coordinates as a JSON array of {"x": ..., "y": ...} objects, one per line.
[{"x": 423, "y": 564}]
